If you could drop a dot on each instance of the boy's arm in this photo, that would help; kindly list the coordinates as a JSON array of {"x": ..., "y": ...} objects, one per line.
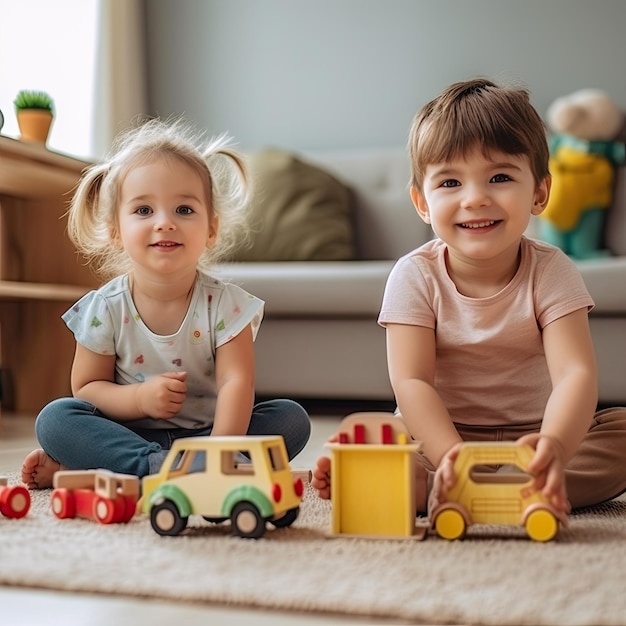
[
  {"x": 572, "y": 364},
  {"x": 568, "y": 414},
  {"x": 411, "y": 363},
  {"x": 234, "y": 370}
]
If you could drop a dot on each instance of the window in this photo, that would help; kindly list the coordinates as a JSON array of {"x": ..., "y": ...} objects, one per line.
[{"x": 51, "y": 46}]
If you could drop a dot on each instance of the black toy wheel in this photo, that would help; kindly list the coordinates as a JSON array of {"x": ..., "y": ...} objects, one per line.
[
  {"x": 287, "y": 519},
  {"x": 166, "y": 520},
  {"x": 247, "y": 521}
]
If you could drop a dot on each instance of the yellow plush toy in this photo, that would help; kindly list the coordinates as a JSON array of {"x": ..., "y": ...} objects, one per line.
[{"x": 585, "y": 148}]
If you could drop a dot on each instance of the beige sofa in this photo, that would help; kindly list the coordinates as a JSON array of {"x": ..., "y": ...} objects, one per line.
[{"x": 320, "y": 339}]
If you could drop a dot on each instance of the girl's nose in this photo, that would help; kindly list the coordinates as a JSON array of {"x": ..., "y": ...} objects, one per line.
[{"x": 164, "y": 222}]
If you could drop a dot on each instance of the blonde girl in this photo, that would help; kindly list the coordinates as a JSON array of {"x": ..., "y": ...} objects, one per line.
[{"x": 164, "y": 350}]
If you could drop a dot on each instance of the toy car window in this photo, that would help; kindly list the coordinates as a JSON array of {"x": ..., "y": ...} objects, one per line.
[
  {"x": 198, "y": 461},
  {"x": 236, "y": 462},
  {"x": 500, "y": 475},
  {"x": 276, "y": 459}
]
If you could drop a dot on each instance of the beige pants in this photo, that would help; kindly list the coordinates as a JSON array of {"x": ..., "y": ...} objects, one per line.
[{"x": 598, "y": 470}]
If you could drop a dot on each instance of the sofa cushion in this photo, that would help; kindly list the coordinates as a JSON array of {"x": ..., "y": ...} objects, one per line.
[{"x": 298, "y": 211}]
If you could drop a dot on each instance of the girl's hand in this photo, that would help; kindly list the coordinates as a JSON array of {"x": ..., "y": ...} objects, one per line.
[
  {"x": 162, "y": 397},
  {"x": 444, "y": 478},
  {"x": 547, "y": 466}
]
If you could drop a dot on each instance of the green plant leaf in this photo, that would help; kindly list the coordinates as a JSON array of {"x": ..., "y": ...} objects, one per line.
[{"x": 29, "y": 99}]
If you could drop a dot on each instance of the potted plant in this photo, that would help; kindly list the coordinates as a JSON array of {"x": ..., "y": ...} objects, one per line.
[{"x": 34, "y": 111}]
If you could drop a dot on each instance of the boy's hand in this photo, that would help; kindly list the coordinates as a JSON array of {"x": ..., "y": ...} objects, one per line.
[
  {"x": 162, "y": 397},
  {"x": 547, "y": 466},
  {"x": 444, "y": 479}
]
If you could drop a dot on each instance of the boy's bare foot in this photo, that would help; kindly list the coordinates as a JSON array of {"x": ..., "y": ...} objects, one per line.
[
  {"x": 38, "y": 469},
  {"x": 320, "y": 480}
]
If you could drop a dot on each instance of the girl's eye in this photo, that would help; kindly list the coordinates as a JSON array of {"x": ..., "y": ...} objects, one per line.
[
  {"x": 144, "y": 210},
  {"x": 500, "y": 178},
  {"x": 184, "y": 210},
  {"x": 450, "y": 183}
]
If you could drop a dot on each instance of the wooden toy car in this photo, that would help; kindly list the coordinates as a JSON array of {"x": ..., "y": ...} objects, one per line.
[
  {"x": 95, "y": 494},
  {"x": 14, "y": 499},
  {"x": 493, "y": 487},
  {"x": 244, "y": 479}
]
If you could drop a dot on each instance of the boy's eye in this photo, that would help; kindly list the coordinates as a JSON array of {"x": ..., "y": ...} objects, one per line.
[
  {"x": 144, "y": 210},
  {"x": 450, "y": 183},
  {"x": 184, "y": 210},
  {"x": 500, "y": 178}
]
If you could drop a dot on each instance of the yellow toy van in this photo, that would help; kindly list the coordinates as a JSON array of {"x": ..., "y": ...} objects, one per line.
[
  {"x": 493, "y": 487},
  {"x": 245, "y": 479}
]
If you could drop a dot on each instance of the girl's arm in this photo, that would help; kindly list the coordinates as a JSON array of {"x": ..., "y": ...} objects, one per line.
[
  {"x": 571, "y": 406},
  {"x": 93, "y": 380},
  {"x": 234, "y": 370},
  {"x": 411, "y": 363}
]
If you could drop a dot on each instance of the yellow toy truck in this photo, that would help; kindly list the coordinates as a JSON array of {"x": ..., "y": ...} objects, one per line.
[
  {"x": 493, "y": 487},
  {"x": 245, "y": 479}
]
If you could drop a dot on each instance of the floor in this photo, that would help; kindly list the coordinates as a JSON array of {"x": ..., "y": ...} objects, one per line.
[{"x": 29, "y": 607}]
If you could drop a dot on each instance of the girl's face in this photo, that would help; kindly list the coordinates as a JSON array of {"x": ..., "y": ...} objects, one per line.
[
  {"x": 481, "y": 206},
  {"x": 164, "y": 218}
]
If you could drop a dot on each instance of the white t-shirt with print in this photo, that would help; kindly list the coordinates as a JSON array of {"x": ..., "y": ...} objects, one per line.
[{"x": 106, "y": 321}]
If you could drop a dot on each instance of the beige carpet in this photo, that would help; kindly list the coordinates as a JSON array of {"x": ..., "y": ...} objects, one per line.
[{"x": 501, "y": 580}]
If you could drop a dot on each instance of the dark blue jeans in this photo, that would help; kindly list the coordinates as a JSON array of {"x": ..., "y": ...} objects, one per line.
[{"x": 78, "y": 436}]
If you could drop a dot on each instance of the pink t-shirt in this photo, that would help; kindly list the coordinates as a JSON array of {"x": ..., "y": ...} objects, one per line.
[{"x": 490, "y": 364}]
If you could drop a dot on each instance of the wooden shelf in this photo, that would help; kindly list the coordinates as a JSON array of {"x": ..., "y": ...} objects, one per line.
[
  {"x": 41, "y": 275},
  {"x": 31, "y": 171},
  {"x": 14, "y": 290}
]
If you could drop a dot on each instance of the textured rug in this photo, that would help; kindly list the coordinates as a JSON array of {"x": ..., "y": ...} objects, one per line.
[{"x": 495, "y": 576}]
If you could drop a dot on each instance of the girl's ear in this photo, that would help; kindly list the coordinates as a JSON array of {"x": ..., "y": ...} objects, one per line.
[
  {"x": 116, "y": 240},
  {"x": 420, "y": 204},
  {"x": 214, "y": 224},
  {"x": 542, "y": 195}
]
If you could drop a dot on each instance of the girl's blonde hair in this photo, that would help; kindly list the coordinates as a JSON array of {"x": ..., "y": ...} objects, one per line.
[
  {"x": 93, "y": 213},
  {"x": 477, "y": 113}
]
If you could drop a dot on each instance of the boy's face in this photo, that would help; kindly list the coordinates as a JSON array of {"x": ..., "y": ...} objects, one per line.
[{"x": 480, "y": 205}]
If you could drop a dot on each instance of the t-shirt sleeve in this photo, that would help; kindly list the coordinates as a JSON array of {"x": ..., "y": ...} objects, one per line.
[
  {"x": 408, "y": 296},
  {"x": 560, "y": 290},
  {"x": 90, "y": 321},
  {"x": 236, "y": 309}
]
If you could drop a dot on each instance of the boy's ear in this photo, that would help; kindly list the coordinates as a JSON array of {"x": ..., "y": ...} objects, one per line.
[
  {"x": 420, "y": 204},
  {"x": 542, "y": 195}
]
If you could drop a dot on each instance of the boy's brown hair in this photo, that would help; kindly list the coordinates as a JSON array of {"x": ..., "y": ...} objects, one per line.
[{"x": 475, "y": 113}]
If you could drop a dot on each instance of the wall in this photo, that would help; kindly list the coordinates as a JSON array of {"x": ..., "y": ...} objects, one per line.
[{"x": 323, "y": 74}]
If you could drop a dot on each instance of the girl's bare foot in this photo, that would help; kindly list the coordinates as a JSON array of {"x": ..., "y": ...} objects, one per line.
[{"x": 38, "y": 469}]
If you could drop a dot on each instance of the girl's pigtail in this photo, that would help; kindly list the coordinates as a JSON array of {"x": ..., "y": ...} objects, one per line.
[
  {"x": 85, "y": 225},
  {"x": 230, "y": 186}
]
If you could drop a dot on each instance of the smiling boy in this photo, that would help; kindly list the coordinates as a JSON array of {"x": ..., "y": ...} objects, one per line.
[{"x": 487, "y": 330}]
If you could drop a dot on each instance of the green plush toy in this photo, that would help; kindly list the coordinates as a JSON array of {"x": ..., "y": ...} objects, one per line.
[{"x": 585, "y": 148}]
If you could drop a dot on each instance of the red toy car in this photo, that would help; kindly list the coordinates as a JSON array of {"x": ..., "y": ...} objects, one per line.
[
  {"x": 14, "y": 499},
  {"x": 95, "y": 494}
]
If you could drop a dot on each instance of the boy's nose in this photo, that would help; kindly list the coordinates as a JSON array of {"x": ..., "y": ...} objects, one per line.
[{"x": 475, "y": 197}]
